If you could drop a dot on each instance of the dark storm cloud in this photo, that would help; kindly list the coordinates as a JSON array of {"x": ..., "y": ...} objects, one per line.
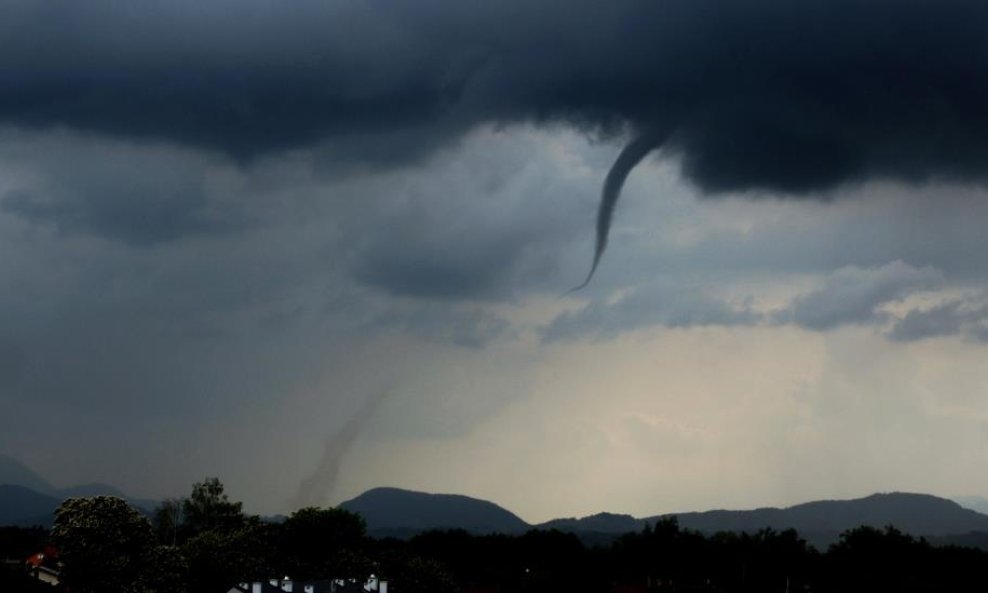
[
  {"x": 133, "y": 193},
  {"x": 794, "y": 97}
]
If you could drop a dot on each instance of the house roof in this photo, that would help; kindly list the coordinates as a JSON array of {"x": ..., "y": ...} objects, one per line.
[
  {"x": 325, "y": 586},
  {"x": 266, "y": 587},
  {"x": 48, "y": 555}
]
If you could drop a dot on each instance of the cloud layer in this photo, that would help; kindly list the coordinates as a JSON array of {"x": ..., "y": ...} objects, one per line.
[
  {"x": 221, "y": 223},
  {"x": 791, "y": 98}
]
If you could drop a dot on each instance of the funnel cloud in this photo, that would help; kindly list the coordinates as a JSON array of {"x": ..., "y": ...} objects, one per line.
[
  {"x": 314, "y": 490},
  {"x": 629, "y": 158}
]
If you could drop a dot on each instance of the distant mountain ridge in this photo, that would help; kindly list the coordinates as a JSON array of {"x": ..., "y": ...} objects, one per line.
[
  {"x": 28, "y": 499},
  {"x": 820, "y": 522},
  {"x": 24, "y": 507},
  {"x": 16, "y": 473},
  {"x": 393, "y": 511},
  {"x": 599, "y": 523}
]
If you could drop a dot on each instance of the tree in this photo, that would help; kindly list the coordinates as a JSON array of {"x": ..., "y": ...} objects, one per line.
[
  {"x": 317, "y": 543},
  {"x": 168, "y": 519},
  {"x": 218, "y": 558},
  {"x": 209, "y": 509},
  {"x": 866, "y": 559},
  {"x": 104, "y": 544},
  {"x": 167, "y": 571},
  {"x": 336, "y": 528},
  {"x": 414, "y": 574},
  {"x": 218, "y": 542}
]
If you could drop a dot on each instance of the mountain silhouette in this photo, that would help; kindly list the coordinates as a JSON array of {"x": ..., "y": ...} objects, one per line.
[
  {"x": 16, "y": 473},
  {"x": 26, "y": 498},
  {"x": 24, "y": 507},
  {"x": 402, "y": 513},
  {"x": 599, "y": 523},
  {"x": 820, "y": 522},
  {"x": 393, "y": 511}
]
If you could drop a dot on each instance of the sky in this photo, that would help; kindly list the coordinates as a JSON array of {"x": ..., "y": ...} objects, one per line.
[{"x": 314, "y": 247}]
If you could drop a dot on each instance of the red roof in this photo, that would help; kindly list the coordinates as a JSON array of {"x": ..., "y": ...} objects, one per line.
[{"x": 50, "y": 554}]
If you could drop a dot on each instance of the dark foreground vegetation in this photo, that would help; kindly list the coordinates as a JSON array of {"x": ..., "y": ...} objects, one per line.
[{"x": 205, "y": 543}]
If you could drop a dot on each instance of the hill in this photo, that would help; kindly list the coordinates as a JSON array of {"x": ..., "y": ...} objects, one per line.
[
  {"x": 402, "y": 513},
  {"x": 24, "y": 507},
  {"x": 14, "y": 472},
  {"x": 820, "y": 522},
  {"x": 26, "y": 498},
  {"x": 599, "y": 523},
  {"x": 393, "y": 511}
]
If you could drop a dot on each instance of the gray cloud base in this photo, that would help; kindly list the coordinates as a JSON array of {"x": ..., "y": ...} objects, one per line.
[
  {"x": 853, "y": 295},
  {"x": 849, "y": 296},
  {"x": 649, "y": 306},
  {"x": 794, "y": 98},
  {"x": 952, "y": 318}
]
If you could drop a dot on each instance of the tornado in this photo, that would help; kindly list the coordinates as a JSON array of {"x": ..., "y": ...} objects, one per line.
[
  {"x": 630, "y": 156},
  {"x": 314, "y": 490}
]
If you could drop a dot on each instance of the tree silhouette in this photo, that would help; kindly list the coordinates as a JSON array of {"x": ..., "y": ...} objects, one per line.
[
  {"x": 105, "y": 545},
  {"x": 209, "y": 509},
  {"x": 318, "y": 542}
]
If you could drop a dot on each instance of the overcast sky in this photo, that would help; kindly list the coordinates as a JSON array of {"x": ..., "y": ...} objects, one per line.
[{"x": 314, "y": 247}]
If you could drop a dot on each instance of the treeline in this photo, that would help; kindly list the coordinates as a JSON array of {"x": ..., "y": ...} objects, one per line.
[
  {"x": 664, "y": 557},
  {"x": 205, "y": 543}
]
